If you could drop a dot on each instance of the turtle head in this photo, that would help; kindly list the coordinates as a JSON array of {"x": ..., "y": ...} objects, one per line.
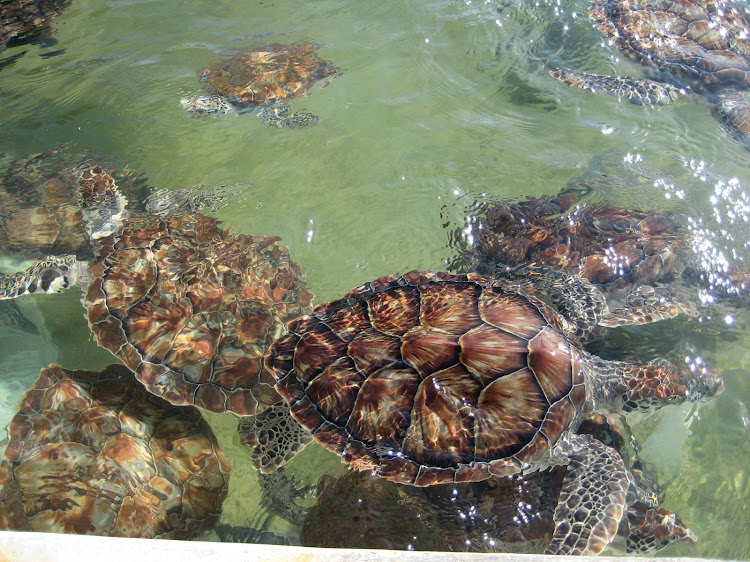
[
  {"x": 652, "y": 386},
  {"x": 102, "y": 204}
]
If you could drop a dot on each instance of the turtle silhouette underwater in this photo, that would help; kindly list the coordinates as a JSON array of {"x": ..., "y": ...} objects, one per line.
[
  {"x": 648, "y": 263},
  {"x": 95, "y": 453},
  {"x": 697, "y": 45},
  {"x": 511, "y": 514},
  {"x": 189, "y": 307},
  {"x": 430, "y": 378},
  {"x": 263, "y": 78}
]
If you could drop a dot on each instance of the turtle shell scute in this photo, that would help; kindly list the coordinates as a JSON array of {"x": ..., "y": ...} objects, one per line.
[
  {"x": 428, "y": 378},
  {"x": 95, "y": 453},
  {"x": 191, "y": 308}
]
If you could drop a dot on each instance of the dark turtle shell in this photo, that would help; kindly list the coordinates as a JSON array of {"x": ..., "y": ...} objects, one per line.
[
  {"x": 431, "y": 378},
  {"x": 702, "y": 40},
  {"x": 94, "y": 453},
  {"x": 268, "y": 74},
  {"x": 191, "y": 308}
]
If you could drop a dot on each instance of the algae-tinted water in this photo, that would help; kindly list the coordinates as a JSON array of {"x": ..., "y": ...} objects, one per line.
[{"x": 440, "y": 102}]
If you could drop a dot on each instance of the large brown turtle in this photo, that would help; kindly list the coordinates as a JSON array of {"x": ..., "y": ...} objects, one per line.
[
  {"x": 429, "y": 378},
  {"x": 94, "y": 453},
  {"x": 701, "y": 45},
  {"x": 189, "y": 307},
  {"x": 265, "y": 78}
]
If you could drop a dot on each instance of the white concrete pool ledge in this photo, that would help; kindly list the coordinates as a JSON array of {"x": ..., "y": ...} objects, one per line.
[{"x": 46, "y": 547}]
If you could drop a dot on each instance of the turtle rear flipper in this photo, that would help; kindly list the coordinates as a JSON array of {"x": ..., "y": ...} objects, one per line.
[
  {"x": 638, "y": 91},
  {"x": 49, "y": 275},
  {"x": 275, "y": 437},
  {"x": 647, "y": 304},
  {"x": 593, "y": 498}
]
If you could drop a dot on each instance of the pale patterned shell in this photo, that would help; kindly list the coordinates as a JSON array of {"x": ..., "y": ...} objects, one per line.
[
  {"x": 268, "y": 74},
  {"x": 191, "y": 308},
  {"x": 429, "y": 378},
  {"x": 94, "y": 453},
  {"x": 705, "y": 40}
]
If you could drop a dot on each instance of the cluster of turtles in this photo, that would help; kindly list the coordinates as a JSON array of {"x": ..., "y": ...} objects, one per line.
[{"x": 423, "y": 379}]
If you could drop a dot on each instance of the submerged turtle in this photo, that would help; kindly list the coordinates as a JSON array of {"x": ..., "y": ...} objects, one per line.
[
  {"x": 647, "y": 257},
  {"x": 702, "y": 45},
  {"x": 430, "y": 378},
  {"x": 189, "y": 307},
  {"x": 265, "y": 78},
  {"x": 28, "y": 21},
  {"x": 512, "y": 514},
  {"x": 94, "y": 453}
]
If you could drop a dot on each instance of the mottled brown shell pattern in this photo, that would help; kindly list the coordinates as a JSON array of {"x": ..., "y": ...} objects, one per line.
[
  {"x": 697, "y": 39},
  {"x": 268, "y": 74},
  {"x": 430, "y": 378},
  {"x": 94, "y": 453},
  {"x": 191, "y": 308}
]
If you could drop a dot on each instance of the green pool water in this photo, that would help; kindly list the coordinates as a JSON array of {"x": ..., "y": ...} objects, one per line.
[{"x": 440, "y": 103}]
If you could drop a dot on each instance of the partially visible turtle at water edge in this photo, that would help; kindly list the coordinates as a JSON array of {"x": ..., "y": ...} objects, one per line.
[
  {"x": 94, "y": 453},
  {"x": 189, "y": 307},
  {"x": 431, "y": 378},
  {"x": 700, "y": 45},
  {"x": 510, "y": 514},
  {"x": 40, "y": 212},
  {"x": 27, "y": 21},
  {"x": 263, "y": 78},
  {"x": 648, "y": 259}
]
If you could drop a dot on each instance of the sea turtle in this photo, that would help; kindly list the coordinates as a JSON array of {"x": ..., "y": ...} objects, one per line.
[
  {"x": 186, "y": 305},
  {"x": 94, "y": 453},
  {"x": 264, "y": 78},
  {"x": 27, "y": 21},
  {"x": 429, "y": 378},
  {"x": 701, "y": 45},
  {"x": 648, "y": 259},
  {"x": 511, "y": 514}
]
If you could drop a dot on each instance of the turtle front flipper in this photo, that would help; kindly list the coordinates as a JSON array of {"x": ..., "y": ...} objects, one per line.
[
  {"x": 50, "y": 275},
  {"x": 12, "y": 317},
  {"x": 638, "y": 91},
  {"x": 275, "y": 437},
  {"x": 651, "y": 529},
  {"x": 647, "y": 304},
  {"x": 593, "y": 498}
]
